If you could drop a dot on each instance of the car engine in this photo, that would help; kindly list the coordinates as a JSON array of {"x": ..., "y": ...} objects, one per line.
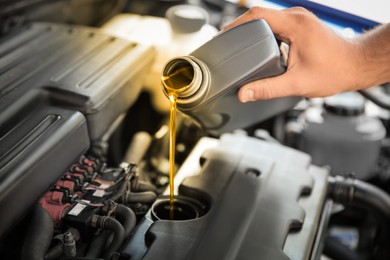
[{"x": 84, "y": 151}]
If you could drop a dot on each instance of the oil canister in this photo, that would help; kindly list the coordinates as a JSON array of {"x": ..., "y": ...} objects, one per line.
[{"x": 213, "y": 73}]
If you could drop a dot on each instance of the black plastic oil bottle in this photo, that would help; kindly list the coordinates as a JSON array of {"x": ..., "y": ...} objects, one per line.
[{"x": 208, "y": 79}]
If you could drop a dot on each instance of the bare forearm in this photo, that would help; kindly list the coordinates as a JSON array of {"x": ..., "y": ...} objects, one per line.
[{"x": 375, "y": 60}]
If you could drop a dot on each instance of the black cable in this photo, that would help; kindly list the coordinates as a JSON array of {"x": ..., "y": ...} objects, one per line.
[
  {"x": 120, "y": 186},
  {"x": 119, "y": 193},
  {"x": 117, "y": 184}
]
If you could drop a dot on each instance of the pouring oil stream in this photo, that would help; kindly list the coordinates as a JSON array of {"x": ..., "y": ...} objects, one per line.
[{"x": 174, "y": 84}]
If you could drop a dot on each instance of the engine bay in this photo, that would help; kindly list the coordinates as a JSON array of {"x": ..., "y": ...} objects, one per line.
[{"x": 84, "y": 152}]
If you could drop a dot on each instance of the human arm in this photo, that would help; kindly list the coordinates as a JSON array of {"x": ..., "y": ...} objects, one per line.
[{"x": 321, "y": 62}]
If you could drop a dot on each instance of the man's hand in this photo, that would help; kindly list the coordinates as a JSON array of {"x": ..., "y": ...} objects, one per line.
[{"x": 320, "y": 61}]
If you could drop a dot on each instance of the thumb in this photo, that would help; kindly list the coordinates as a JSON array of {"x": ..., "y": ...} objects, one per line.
[{"x": 267, "y": 88}]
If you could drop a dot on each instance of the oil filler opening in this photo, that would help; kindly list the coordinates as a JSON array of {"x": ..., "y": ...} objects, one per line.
[{"x": 185, "y": 208}]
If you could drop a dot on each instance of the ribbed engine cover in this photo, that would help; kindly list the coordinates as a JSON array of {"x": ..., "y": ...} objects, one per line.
[
  {"x": 263, "y": 200},
  {"x": 61, "y": 87}
]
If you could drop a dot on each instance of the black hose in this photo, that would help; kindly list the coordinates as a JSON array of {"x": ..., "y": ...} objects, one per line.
[
  {"x": 138, "y": 186},
  {"x": 127, "y": 217},
  {"x": 358, "y": 193},
  {"x": 141, "y": 197},
  {"x": 97, "y": 245},
  {"x": 38, "y": 235},
  {"x": 113, "y": 225},
  {"x": 337, "y": 251}
]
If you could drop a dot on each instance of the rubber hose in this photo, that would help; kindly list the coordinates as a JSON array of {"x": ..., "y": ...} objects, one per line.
[
  {"x": 355, "y": 192},
  {"x": 38, "y": 235},
  {"x": 359, "y": 194},
  {"x": 337, "y": 251},
  {"x": 373, "y": 197},
  {"x": 142, "y": 197},
  {"x": 113, "y": 225},
  {"x": 97, "y": 245},
  {"x": 376, "y": 201},
  {"x": 142, "y": 186},
  {"x": 127, "y": 217}
]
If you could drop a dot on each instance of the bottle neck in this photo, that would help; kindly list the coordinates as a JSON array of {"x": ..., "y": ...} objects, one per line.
[{"x": 186, "y": 77}]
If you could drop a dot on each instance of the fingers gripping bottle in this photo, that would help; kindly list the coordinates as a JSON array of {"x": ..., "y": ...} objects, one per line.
[{"x": 208, "y": 79}]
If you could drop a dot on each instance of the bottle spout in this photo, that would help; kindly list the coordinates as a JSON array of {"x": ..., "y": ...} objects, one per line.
[{"x": 184, "y": 77}]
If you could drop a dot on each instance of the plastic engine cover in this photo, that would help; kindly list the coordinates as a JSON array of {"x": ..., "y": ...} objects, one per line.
[
  {"x": 38, "y": 142},
  {"x": 265, "y": 201},
  {"x": 61, "y": 87},
  {"x": 83, "y": 69}
]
